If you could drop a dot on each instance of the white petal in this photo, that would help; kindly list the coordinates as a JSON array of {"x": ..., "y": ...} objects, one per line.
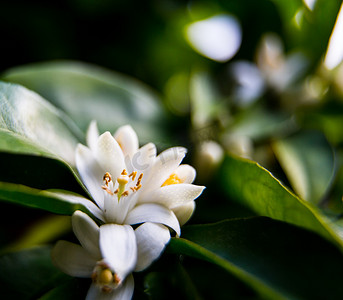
[
  {"x": 153, "y": 213},
  {"x": 143, "y": 159},
  {"x": 109, "y": 155},
  {"x": 72, "y": 259},
  {"x": 173, "y": 195},
  {"x": 184, "y": 212},
  {"x": 119, "y": 248},
  {"x": 87, "y": 232},
  {"x": 127, "y": 140},
  {"x": 186, "y": 173},
  {"x": 90, "y": 172},
  {"x": 123, "y": 292},
  {"x": 151, "y": 241},
  {"x": 165, "y": 164},
  {"x": 116, "y": 211},
  {"x": 92, "y": 135},
  {"x": 77, "y": 199}
]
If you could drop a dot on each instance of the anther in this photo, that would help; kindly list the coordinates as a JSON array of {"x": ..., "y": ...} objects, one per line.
[
  {"x": 107, "y": 178},
  {"x": 133, "y": 175},
  {"x": 124, "y": 172},
  {"x": 107, "y": 190},
  {"x": 94, "y": 276},
  {"x": 139, "y": 179}
]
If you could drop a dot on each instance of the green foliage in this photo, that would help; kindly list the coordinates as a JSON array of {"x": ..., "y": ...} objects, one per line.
[
  {"x": 265, "y": 254},
  {"x": 274, "y": 187},
  {"x": 87, "y": 93}
]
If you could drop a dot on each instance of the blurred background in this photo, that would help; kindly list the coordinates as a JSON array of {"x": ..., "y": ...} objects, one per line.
[{"x": 258, "y": 79}]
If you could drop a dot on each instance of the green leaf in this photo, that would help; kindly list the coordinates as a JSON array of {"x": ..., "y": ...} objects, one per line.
[
  {"x": 87, "y": 92},
  {"x": 252, "y": 185},
  {"x": 72, "y": 289},
  {"x": 30, "y": 125},
  {"x": 26, "y": 273},
  {"x": 53, "y": 201},
  {"x": 308, "y": 160},
  {"x": 278, "y": 260},
  {"x": 38, "y": 172},
  {"x": 309, "y": 29},
  {"x": 42, "y": 232},
  {"x": 259, "y": 123}
]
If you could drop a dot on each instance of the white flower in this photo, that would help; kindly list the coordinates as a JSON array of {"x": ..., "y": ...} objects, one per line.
[
  {"x": 109, "y": 254},
  {"x": 132, "y": 185}
]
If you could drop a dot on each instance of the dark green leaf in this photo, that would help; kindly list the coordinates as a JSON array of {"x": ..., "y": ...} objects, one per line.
[
  {"x": 26, "y": 273},
  {"x": 52, "y": 201},
  {"x": 279, "y": 260},
  {"x": 86, "y": 92},
  {"x": 255, "y": 187},
  {"x": 72, "y": 289}
]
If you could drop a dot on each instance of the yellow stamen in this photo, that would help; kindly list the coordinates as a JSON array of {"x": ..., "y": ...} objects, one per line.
[
  {"x": 139, "y": 179},
  {"x": 133, "y": 174},
  {"x": 107, "y": 190},
  {"x": 107, "y": 178},
  {"x": 173, "y": 179},
  {"x": 123, "y": 180}
]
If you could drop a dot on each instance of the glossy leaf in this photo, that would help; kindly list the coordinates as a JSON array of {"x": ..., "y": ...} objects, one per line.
[
  {"x": 30, "y": 125},
  {"x": 47, "y": 200},
  {"x": 86, "y": 92},
  {"x": 308, "y": 160},
  {"x": 255, "y": 187},
  {"x": 266, "y": 254}
]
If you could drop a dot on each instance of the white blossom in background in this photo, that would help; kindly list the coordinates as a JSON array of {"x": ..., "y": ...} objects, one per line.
[
  {"x": 108, "y": 254},
  {"x": 218, "y": 37}
]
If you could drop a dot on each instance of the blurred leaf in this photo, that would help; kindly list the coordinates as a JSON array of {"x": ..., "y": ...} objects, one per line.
[
  {"x": 306, "y": 29},
  {"x": 204, "y": 98},
  {"x": 326, "y": 118},
  {"x": 252, "y": 185},
  {"x": 308, "y": 160},
  {"x": 259, "y": 123},
  {"x": 267, "y": 255},
  {"x": 26, "y": 273},
  {"x": 42, "y": 232},
  {"x": 52, "y": 201},
  {"x": 30, "y": 125},
  {"x": 86, "y": 92}
]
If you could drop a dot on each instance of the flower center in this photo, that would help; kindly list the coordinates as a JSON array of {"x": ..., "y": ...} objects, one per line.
[
  {"x": 173, "y": 179},
  {"x": 104, "y": 278},
  {"x": 126, "y": 183}
]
